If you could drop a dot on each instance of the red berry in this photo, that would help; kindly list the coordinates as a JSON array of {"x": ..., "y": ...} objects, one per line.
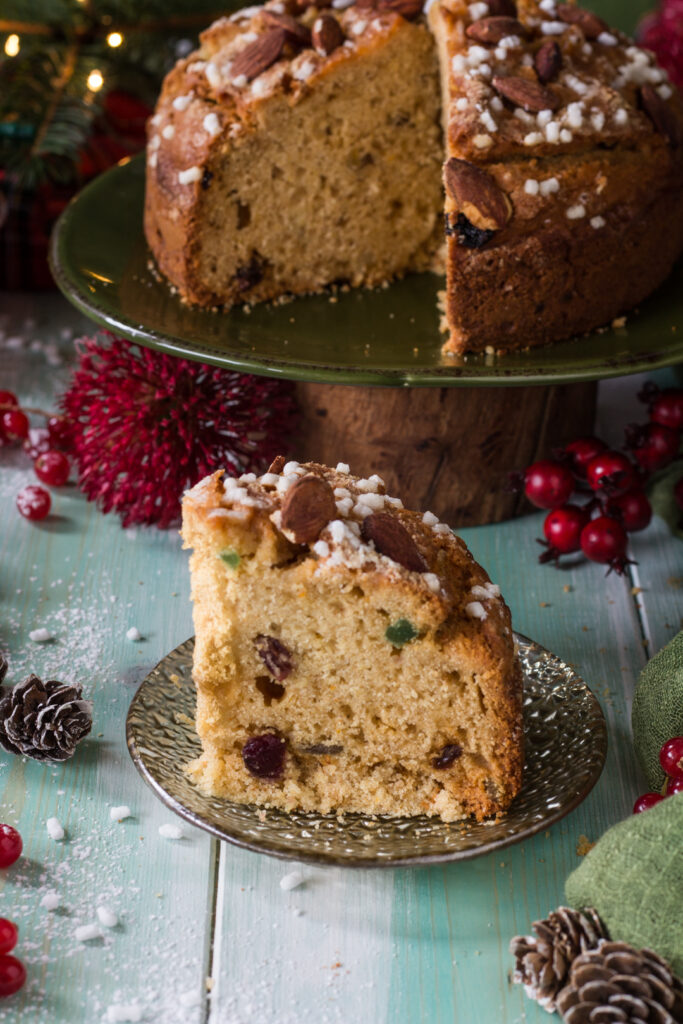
[
  {"x": 580, "y": 452},
  {"x": 653, "y": 446},
  {"x": 10, "y": 845},
  {"x": 60, "y": 433},
  {"x": 33, "y": 502},
  {"x": 604, "y": 540},
  {"x": 633, "y": 510},
  {"x": 671, "y": 756},
  {"x": 548, "y": 484},
  {"x": 264, "y": 756},
  {"x": 667, "y": 409},
  {"x": 647, "y": 800},
  {"x": 611, "y": 472},
  {"x": 12, "y": 975},
  {"x": 37, "y": 442},
  {"x": 8, "y": 398},
  {"x": 562, "y": 529},
  {"x": 674, "y": 785},
  {"x": 8, "y": 935},
  {"x": 52, "y": 468},
  {"x": 14, "y": 424}
]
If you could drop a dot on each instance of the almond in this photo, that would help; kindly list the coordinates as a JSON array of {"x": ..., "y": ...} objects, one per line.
[
  {"x": 391, "y": 538},
  {"x": 277, "y": 465},
  {"x": 492, "y": 30},
  {"x": 548, "y": 61},
  {"x": 524, "y": 93},
  {"x": 327, "y": 34},
  {"x": 476, "y": 195},
  {"x": 503, "y": 8},
  {"x": 258, "y": 56},
  {"x": 295, "y": 33},
  {"x": 307, "y": 508},
  {"x": 660, "y": 113},
  {"x": 590, "y": 24},
  {"x": 408, "y": 9}
]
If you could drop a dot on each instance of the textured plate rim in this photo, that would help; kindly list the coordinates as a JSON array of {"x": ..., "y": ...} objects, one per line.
[
  {"x": 197, "y": 820},
  {"x": 318, "y": 371}
]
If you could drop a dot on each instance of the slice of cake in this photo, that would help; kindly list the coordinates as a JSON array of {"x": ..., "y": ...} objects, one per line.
[
  {"x": 291, "y": 152},
  {"x": 564, "y": 172},
  {"x": 350, "y": 655}
]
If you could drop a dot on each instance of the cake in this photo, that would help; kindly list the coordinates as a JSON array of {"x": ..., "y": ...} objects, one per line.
[
  {"x": 301, "y": 146},
  {"x": 350, "y": 655}
]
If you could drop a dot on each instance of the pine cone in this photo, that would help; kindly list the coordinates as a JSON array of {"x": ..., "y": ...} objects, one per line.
[
  {"x": 542, "y": 963},
  {"x": 45, "y": 721},
  {"x": 616, "y": 982}
]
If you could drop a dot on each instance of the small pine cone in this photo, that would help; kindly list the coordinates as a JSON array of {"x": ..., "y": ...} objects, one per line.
[
  {"x": 44, "y": 721},
  {"x": 542, "y": 964},
  {"x": 617, "y": 983}
]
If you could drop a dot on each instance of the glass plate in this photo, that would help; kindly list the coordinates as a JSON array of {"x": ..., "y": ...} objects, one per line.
[{"x": 563, "y": 725}]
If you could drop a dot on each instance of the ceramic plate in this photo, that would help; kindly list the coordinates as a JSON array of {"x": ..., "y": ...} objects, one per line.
[
  {"x": 385, "y": 336},
  {"x": 563, "y": 725}
]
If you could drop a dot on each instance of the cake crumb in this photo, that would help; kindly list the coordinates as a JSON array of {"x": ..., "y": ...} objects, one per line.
[
  {"x": 583, "y": 845},
  {"x": 619, "y": 321}
]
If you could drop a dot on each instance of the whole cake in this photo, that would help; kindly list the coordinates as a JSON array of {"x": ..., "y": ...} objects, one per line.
[
  {"x": 304, "y": 145},
  {"x": 350, "y": 655}
]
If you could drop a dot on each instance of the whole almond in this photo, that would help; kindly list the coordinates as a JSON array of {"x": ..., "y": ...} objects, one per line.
[
  {"x": 408, "y": 9},
  {"x": 503, "y": 8},
  {"x": 524, "y": 93},
  {"x": 590, "y": 24},
  {"x": 258, "y": 56},
  {"x": 277, "y": 465},
  {"x": 476, "y": 195},
  {"x": 307, "y": 508},
  {"x": 492, "y": 30},
  {"x": 391, "y": 538},
  {"x": 660, "y": 113},
  {"x": 296, "y": 33},
  {"x": 548, "y": 61},
  {"x": 327, "y": 34}
]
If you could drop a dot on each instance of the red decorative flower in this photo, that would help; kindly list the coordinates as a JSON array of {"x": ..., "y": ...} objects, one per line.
[
  {"x": 662, "y": 31},
  {"x": 146, "y": 426}
]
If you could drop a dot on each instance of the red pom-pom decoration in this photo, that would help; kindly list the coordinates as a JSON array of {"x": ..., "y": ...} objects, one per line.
[{"x": 145, "y": 426}]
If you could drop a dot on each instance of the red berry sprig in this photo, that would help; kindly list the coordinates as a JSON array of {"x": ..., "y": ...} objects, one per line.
[
  {"x": 11, "y": 846},
  {"x": 671, "y": 760},
  {"x": 47, "y": 446}
]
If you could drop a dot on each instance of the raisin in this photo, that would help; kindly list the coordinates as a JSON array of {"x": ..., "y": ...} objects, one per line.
[
  {"x": 466, "y": 233},
  {"x": 450, "y": 753},
  {"x": 401, "y": 632},
  {"x": 275, "y": 656},
  {"x": 250, "y": 274},
  {"x": 264, "y": 755},
  {"x": 269, "y": 690},
  {"x": 206, "y": 178}
]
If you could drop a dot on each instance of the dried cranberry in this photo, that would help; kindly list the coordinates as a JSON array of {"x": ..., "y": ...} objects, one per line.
[
  {"x": 275, "y": 656},
  {"x": 466, "y": 233},
  {"x": 269, "y": 690},
  {"x": 264, "y": 756},
  {"x": 450, "y": 753}
]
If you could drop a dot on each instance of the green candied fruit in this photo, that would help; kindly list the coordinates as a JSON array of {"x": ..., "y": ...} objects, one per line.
[
  {"x": 230, "y": 557},
  {"x": 401, "y": 632}
]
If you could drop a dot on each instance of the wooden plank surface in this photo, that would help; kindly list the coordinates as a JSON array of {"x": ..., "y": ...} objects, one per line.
[{"x": 343, "y": 947}]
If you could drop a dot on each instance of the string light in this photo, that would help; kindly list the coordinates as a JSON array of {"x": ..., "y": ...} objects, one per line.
[
  {"x": 12, "y": 45},
  {"x": 95, "y": 80},
  {"x": 114, "y": 39}
]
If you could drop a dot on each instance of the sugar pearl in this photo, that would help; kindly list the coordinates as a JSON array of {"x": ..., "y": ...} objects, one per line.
[
  {"x": 54, "y": 829},
  {"x": 188, "y": 176},
  {"x": 211, "y": 124},
  {"x": 107, "y": 917},
  {"x": 86, "y": 932},
  {"x": 119, "y": 813},
  {"x": 168, "y": 131},
  {"x": 182, "y": 102},
  {"x": 50, "y": 901},
  {"x": 342, "y": 467},
  {"x": 597, "y": 222},
  {"x": 475, "y": 610},
  {"x": 576, "y": 212},
  {"x": 171, "y": 831},
  {"x": 432, "y": 581},
  {"x": 133, "y": 634},
  {"x": 531, "y": 187},
  {"x": 292, "y": 880},
  {"x": 429, "y": 519},
  {"x": 40, "y": 636}
]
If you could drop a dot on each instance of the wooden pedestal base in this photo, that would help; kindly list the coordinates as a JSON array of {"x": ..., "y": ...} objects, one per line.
[{"x": 444, "y": 449}]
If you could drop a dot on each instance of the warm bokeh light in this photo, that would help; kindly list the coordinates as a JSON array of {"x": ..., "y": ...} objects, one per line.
[
  {"x": 95, "y": 80},
  {"x": 12, "y": 45},
  {"x": 114, "y": 39}
]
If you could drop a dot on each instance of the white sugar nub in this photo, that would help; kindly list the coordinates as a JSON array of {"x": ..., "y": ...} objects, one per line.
[
  {"x": 133, "y": 634},
  {"x": 475, "y": 610},
  {"x": 124, "y": 1013},
  {"x": 342, "y": 467},
  {"x": 54, "y": 829},
  {"x": 86, "y": 932},
  {"x": 291, "y": 881},
  {"x": 107, "y": 917},
  {"x": 119, "y": 813},
  {"x": 171, "y": 831},
  {"x": 50, "y": 901},
  {"x": 40, "y": 636}
]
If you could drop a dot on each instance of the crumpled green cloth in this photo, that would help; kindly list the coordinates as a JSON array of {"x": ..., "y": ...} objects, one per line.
[
  {"x": 633, "y": 877},
  {"x": 657, "y": 713}
]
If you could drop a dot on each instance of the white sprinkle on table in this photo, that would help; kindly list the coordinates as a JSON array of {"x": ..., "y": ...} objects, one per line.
[
  {"x": 86, "y": 932},
  {"x": 40, "y": 636},
  {"x": 107, "y": 917},
  {"x": 169, "y": 831},
  {"x": 292, "y": 880},
  {"x": 50, "y": 901},
  {"x": 124, "y": 1013},
  {"x": 54, "y": 829},
  {"x": 133, "y": 634},
  {"x": 120, "y": 812}
]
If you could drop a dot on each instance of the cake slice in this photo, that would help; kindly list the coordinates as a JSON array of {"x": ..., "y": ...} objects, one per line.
[
  {"x": 563, "y": 175},
  {"x": 297, "y": 147},
  {"x": 350, "y": 655}
]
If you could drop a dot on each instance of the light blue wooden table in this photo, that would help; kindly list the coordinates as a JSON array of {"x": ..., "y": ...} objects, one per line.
[{"x": 206, "y": 932}]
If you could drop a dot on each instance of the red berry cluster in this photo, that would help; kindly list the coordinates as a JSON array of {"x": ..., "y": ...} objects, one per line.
[
  {"x": 671, "y": 760},
  {"x": 12, "y": 971},
  {"x": 610, "y": 482},
  {"x": 46, "y": 446}
]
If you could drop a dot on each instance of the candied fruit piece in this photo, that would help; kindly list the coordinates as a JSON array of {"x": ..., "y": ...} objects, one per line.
[
  {"x": 231, "y": 558},
  {"x": 275, "y": 656},
  {"x": 450, "y": 753},
  {"x": 264, "y": 756},
  {"x": 401, "y": 632}
]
